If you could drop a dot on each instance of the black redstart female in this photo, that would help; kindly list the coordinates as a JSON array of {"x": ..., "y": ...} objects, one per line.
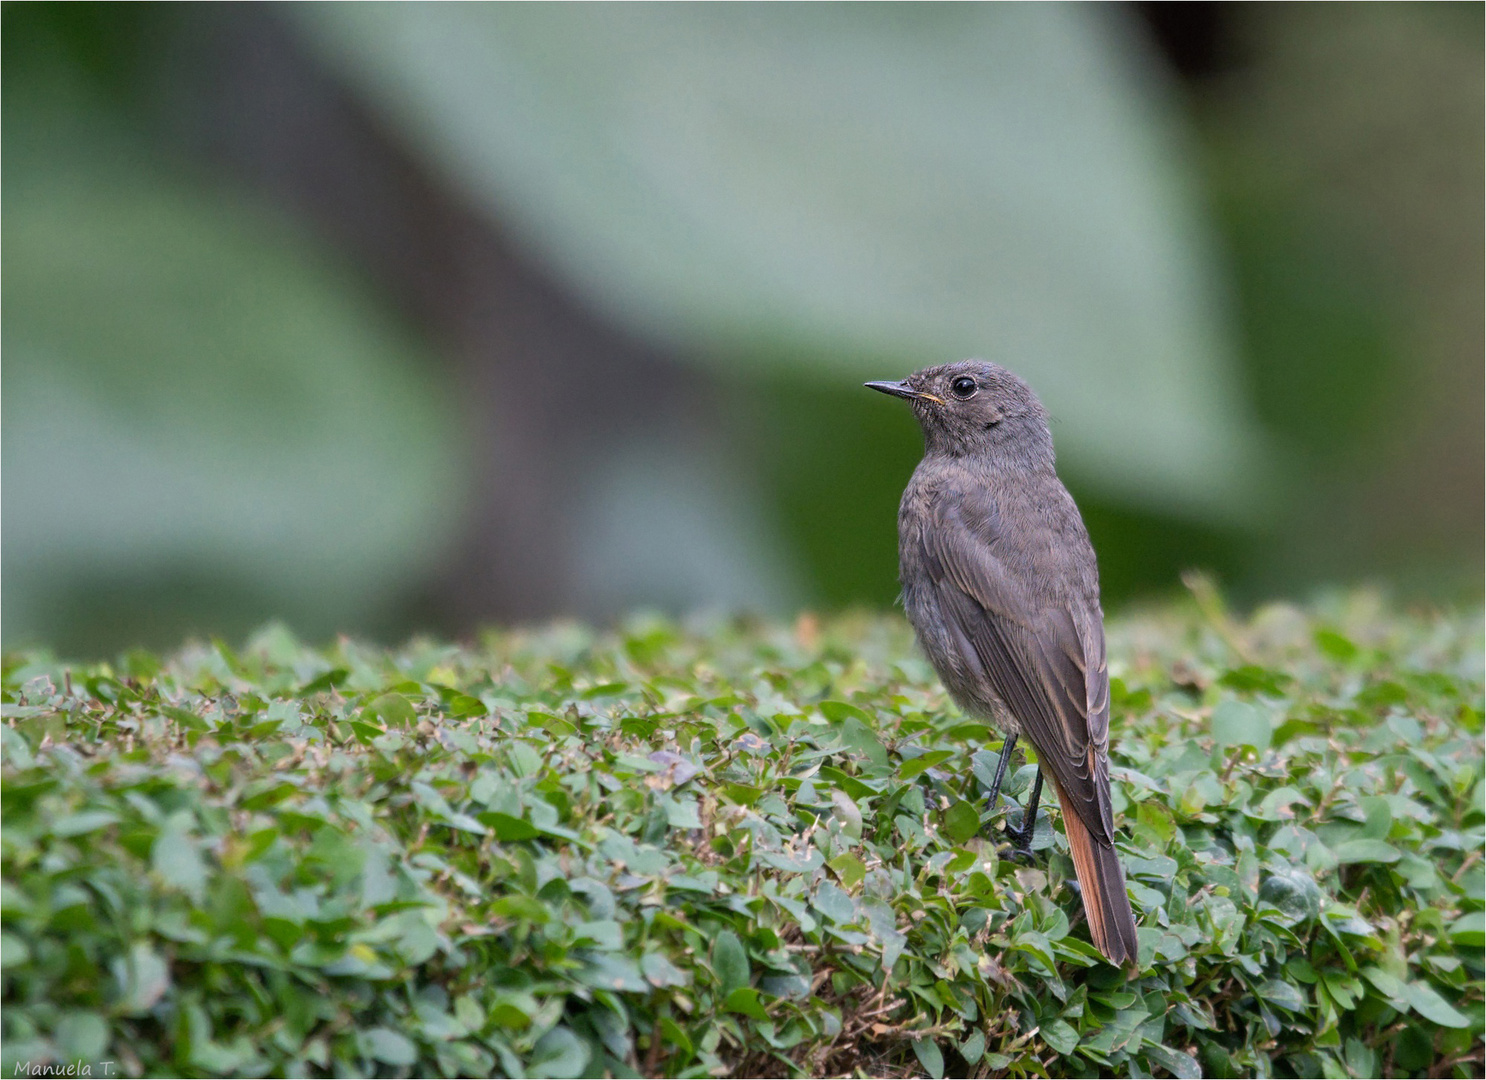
[{"x": 1001, "y": 585}]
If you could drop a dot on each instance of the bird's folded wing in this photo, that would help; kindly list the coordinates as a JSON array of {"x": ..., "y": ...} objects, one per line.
[{"x": 1036, "y": 662}]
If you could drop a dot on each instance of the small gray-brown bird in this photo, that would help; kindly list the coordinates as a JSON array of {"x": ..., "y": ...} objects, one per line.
[{"x": 1001, "y": 585}]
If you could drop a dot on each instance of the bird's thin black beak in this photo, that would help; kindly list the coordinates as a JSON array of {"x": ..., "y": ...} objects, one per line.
[{"x": 902, "y": 390}]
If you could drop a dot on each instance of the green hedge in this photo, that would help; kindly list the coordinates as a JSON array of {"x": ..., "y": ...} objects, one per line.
[{"x": 744, "y": 848}]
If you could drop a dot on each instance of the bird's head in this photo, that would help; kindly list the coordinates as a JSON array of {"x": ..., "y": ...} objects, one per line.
[{"x": 976, "y": 408}]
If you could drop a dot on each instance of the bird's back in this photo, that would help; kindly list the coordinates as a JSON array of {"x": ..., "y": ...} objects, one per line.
[{"x": 1030, "y": 543}]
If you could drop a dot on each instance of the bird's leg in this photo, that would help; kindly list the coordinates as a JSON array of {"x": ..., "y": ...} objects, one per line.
[
  {"x": 1021, "y": 841},
  {"x": 1022, "y": 838},
  {"x": 1007, "y": 746}
]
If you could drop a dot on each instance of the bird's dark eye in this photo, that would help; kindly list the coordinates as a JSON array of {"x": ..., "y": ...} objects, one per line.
[{"x": 963, "y": 387}]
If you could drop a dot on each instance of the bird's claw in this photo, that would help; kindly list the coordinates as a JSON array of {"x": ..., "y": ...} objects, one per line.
[
  {"x": 1016, "y": 853},
  {"x": 1020, "y": 848}
]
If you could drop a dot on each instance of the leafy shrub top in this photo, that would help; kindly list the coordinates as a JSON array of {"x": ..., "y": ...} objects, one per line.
[{"x": 740, "y": 848}]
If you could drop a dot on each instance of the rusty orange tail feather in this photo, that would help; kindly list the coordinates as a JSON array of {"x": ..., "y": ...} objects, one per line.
[{"x": 1102, "y": 879}]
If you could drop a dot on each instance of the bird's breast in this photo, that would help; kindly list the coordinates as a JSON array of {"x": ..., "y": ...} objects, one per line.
[{"x": 953, "y": 657}]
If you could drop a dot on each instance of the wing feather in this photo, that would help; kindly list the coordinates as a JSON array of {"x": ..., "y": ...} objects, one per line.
[{"x": 1036, "y": 658}]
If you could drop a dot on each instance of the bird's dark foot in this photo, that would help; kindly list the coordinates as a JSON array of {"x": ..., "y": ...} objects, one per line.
[
  {"x": 1020, "y": 848},
  {"x": 1021, "y": 839},
  {"x": 1017, "y": 853}
]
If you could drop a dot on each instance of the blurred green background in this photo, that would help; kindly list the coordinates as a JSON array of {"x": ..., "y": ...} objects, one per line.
[{"x": 387, "y": 318}]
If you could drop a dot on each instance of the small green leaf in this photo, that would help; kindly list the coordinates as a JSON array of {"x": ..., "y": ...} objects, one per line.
[
  {"x": 745, "y": 1000},
  {"x": 846, "y": 811},
  {"x": 1180, "y": 1065},
  {"x": 388, "y": 1046},
  {"x": 176, "y": 859},
  {"x": 1336, "y": 646},
  {"x": 659, "y": 971},
  {"x": 525, "y": 760},
  {"x": 1469, "y": 930},
  {"x": 673, "y": 1034},
  {"x": 1365, "y": 851},
  {"x": 81, "y": 823},
  {"x": 364, "y": 733},
  {"x": 1061, "y": 1036},
  {"x": 841, "y": 711},
  {"x": 848, "y": 868},
  {"x": 522, "y": 908},
  {"x": 847, "y": 783},
  {"x": 930, "y": 1057},
  {"x": 559, "y": 1053},
  {"x": 143, "y": 978},
  {"x": 608, "y": 971},
  {"x": 862, "y": 738},
  {"x": 82, "y": 1036},
  {"x": 1250, "y": 678},
  {"x": 730, "y": 962},
  {"x": 1427, "y": 1002},
  {"x": 507, "y": 827},
  {"x": 14, "y": 951},
  {"x": 1294, "y": 892},
  {"x": 1036, "y": 944},
  {"x": 1284, "y": 995},
  {"x": 743, "y": 794},
  {"x": 394, "y": 710},
  {"x": 462, "y": 705},
  {"x": 834, "y": 904},
  {"x": 963, "y": 860},
  {"x": 1390, "y": 986},
  {"x": 961, "y": 821},
  {"x": 974, "y": 1047},
  {"x": 1238, "y": 723},
  {"x": 923, "y": 763},
  {"x": 1379, "y": 818}
]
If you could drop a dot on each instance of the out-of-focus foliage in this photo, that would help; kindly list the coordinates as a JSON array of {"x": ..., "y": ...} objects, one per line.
[
  {"x": 741, "y": 849},
  {"x": 854, "y": 190},
  {"x": 209, "y": 419},
  {"x": 1344, "y": 164},
  {"x": 198, "y": 402}
]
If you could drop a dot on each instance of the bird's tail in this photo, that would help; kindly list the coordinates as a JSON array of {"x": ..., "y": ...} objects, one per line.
[{"x": 1102, "y": 880}]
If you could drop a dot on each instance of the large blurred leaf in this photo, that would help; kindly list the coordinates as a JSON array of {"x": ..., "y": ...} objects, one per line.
[
  {"x": 193, "y": 395},
  {"x": 837, "y": 184}
]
